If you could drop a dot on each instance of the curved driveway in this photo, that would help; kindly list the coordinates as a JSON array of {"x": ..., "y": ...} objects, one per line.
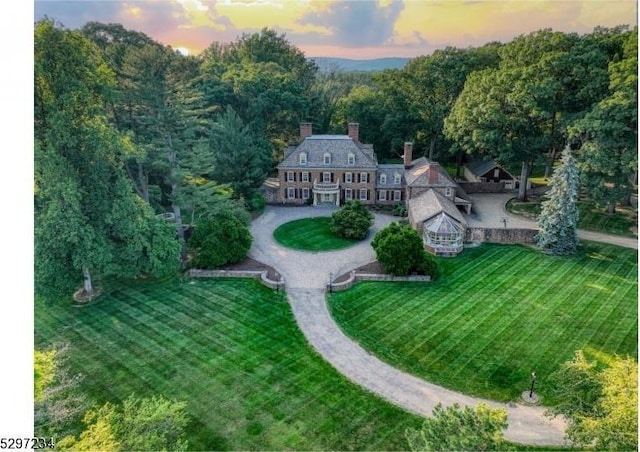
[{"x": 306, "y": 275}]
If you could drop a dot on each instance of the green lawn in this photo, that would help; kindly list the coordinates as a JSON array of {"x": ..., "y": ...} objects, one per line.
[
  {"x": 310, "y": 234},
  {"x": 591, "y": 218},
  {"x": 498, "y": 313},
  {"x": 232, "y": 350}
]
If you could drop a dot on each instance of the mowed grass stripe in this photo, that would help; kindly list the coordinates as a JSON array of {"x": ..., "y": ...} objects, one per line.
[
  {"x": 526, "y": 311},
  {"x": 267, "y": 389}
]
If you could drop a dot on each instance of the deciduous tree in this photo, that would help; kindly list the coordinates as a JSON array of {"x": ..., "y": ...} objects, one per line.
[
  {"x": 152, "y": 423},
  {"x": 601, "y": 405},
  {"x": 219, "y": 240},
  {"x": 353, "y": 221},
  {"x": 454, "y": 428},
  {"x": 400, "y": 250}
]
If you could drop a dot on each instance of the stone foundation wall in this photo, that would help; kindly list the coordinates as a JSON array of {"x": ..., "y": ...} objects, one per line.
[{"x": 500, "y": 235}]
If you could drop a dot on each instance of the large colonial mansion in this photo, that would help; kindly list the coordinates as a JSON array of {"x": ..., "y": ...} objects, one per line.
[{"x": 333, "y": 169}]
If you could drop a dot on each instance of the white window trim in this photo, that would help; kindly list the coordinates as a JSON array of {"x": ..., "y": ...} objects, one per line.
[
  {"x": 348, "y": 194},
  {"x": 327, "y": 158},
  {"x": 348, "y": 177},
  {"x": 303, "y": 158},
  {"x": 364, "y": 178},
  {"x": 326, "y": 177},
  {"x": 397, "y": 179},
  {"x": 305, "y": 176},
  {"x": 351, "y": 159},
  {"x": 291, "y": 191},
  {"x": 397, "y": 195},
  {"x": 383, "y": 179},
  {"x": 382, "y": 195},
  {"x": 290, "y": 176},
  {"x": 362, "y": 191},
  {"x": 305, "y": 193}
]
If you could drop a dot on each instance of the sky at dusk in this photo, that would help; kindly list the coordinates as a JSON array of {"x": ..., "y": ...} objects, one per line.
[{"x": 351, "y": 29}]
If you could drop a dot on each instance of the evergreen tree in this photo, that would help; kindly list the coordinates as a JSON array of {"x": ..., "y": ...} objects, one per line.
[
  {"x": 558, "y": 220},
  {"x": 238, "y": 158}
]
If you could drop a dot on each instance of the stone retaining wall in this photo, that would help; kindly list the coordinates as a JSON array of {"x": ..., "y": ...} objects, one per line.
[
  {"x": 500, "y": 235},
  {"x": 260, "y": 275},
  {"x": 355, "y": 277},
  {"x": 482, "y": 187}
]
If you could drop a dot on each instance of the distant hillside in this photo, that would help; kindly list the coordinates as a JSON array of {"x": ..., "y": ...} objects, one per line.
[{"x": 345, "y": 64}]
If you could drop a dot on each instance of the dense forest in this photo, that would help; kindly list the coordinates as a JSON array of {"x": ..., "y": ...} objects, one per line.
[{"x": 130, "y": 133}]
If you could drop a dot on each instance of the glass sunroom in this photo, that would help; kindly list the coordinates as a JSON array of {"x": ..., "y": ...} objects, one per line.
[{"x": 443, "y": 236}]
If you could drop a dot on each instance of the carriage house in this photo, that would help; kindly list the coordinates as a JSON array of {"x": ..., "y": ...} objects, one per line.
[{"x": 333, "y": 169}]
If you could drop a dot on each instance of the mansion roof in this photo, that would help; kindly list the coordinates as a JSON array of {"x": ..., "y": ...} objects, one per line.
[
  {"x": 430, "y": 203},
  {"x": 339, "y": 147},
  {"x": 424, "y": 173}
]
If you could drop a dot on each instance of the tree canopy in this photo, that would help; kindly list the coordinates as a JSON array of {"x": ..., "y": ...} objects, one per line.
[{"x": 455, "y": 428}]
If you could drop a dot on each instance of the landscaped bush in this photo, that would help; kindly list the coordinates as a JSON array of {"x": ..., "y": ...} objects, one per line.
[
  {"x": 352, "y": 221},
  {"x": 399, "y": 249},
  {"x": 220, "y": 240}
]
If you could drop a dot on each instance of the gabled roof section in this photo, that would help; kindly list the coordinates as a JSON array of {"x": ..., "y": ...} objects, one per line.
[
  {"x": 430, "y": 203},
  {"x": 482, "y": 166},
  {"x": 424, "y": 173},
  {"x": 338, "y": 146}
]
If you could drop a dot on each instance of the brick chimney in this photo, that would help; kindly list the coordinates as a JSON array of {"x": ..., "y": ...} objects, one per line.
[
  {"x": 354, "y": 131},
  {"x": 306, "y": 130},
  {"x": 434, "y": 173},
  {"x": 408, "y": 154}
]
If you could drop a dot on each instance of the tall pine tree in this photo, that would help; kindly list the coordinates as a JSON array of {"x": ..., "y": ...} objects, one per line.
[{"x": 558, "y": 220}]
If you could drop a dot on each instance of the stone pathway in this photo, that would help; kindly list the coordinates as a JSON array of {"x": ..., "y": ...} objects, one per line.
[{"x": 306, "y": 275}]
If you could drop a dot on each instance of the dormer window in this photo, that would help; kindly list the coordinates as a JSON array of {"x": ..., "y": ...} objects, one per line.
[
  {"x": 351, "y": 159},
  {"x": 327, "y": 158},
  {"x": 397, "y": 179},
  {"x": 303, "y": 158},
  {"x": 383, "y": 179}
]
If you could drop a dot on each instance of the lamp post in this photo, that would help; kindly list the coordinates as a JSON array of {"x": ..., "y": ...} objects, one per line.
[
  {"x": 533, "y": 382},
  {"x": 330, "y": 282}
]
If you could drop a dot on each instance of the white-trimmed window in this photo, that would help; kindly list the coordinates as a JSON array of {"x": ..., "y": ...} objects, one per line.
[
  {"x": 291, "y": 193},
  {"x": 290, "y": 176},
  {"x": 326, "y": 177},
  {"x": 303, "y": 158},
  {"x": 351, "y": 159},
  {"x": 363, "y": 178},
  {"x": 397, "y": 178},
  {"x": 305, "y": 176},
  {"x": 397, "y": 195},
  {"x": 305, "y": 193},
  {"x": 382, "y": 195},
  {"x": 383, "y": 179},
  {"x": 348, "y": 177},
  {"x": 447, "y": 191},
  {"x": 348, "y": 194},
  {"x": 327, "y": 158},
  {"x": 363, "y": 194}
]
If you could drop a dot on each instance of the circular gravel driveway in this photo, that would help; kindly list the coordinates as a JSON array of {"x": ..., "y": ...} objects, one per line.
[{"x": 306, "y": 275}]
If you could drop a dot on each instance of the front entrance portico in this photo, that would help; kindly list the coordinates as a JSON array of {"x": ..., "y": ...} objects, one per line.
[
  {"x": 326, "y": 193},
  {"x": 326, "y": 198}
]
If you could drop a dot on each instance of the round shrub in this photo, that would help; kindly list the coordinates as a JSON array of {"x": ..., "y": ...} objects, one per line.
[
  {"x": 220, "y": 240},
  {"x": 399, "y": 249},
  {"x": 353, "y": 221}
]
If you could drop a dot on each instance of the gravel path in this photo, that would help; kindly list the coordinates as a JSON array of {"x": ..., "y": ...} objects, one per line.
[{"x": 306, "y": 275}]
